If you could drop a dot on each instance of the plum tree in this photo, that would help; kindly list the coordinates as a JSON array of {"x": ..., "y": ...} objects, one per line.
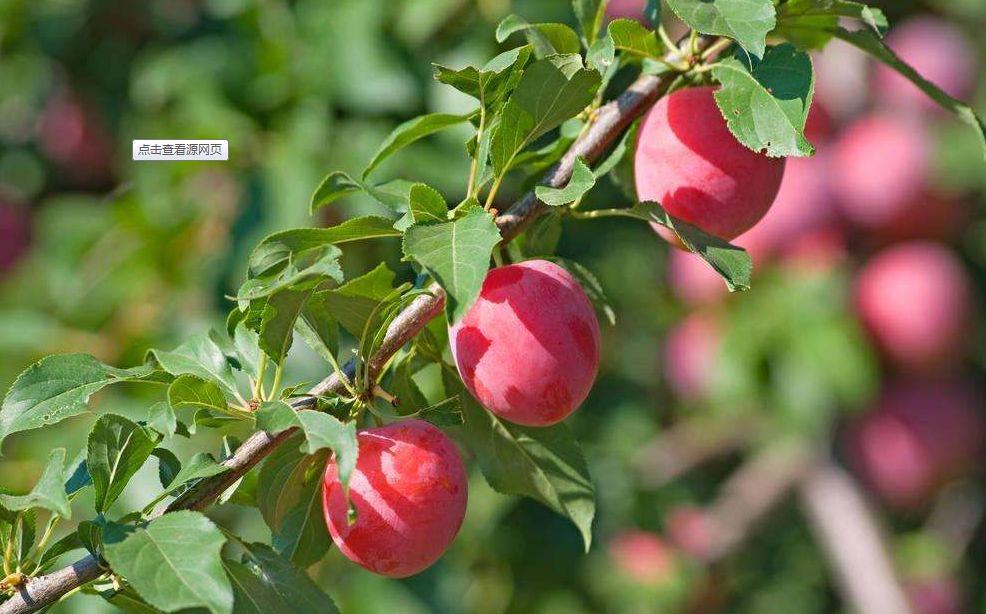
[
  {"x": 937, "y": 50},
  {"x": 921, "y": 434},
  {"x": 528, "y": 348},
  {"x": 409, "y": 491},
  {"x": 687, "y": 160},
  {"x": 914, "y": 298},
  {"x": 879, "y": 169},
  {"x": 690, "y": 356},
  {"x": 643, "y": 557}
]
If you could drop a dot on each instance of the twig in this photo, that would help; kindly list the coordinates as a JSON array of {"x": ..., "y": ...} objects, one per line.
[
  {"x": 611, "y": 120},
  {"x": 750, "y": 494},
  {"x": 850, "y": 537}
]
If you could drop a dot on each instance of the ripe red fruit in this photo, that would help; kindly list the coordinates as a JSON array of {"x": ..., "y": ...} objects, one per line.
[
  {"x": 643, "y": 557},
  {"x": 75, "y": 137},
  {"x": 880, "y": 170},
  {"x": 528, "y": 349},
  {"x": 409, "y": 490},
  {"x": 921, "y": 435},
  {"x": 915, "y": 298},
  {"x": 625, "y": 9},
  {"x": 690, "y": 352},
  {"x": 939, "y": 51},
  {"x": 689, "y": 162},
  {"x": 692, "y": 530}
]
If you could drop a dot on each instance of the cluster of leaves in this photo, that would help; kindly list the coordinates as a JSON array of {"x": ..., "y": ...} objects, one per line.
[{"x": 534, "y": 100}]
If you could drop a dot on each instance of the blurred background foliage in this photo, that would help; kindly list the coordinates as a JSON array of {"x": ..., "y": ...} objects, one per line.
[{"x": 103, "y": 255}]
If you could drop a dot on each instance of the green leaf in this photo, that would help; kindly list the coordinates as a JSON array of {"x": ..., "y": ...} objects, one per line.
[
  {"x": 443, "y": 414},
  {"x": 118, "y": 448},
  {"x": 319, "y": 266},
  {"x": 824, "y": 14},
  {"x": 745, "y": 21},
  {"x": 251, "y": 595},
  {"x": 274, "y": 318},
  {"x": 161, "y": 418},
  {"x": 202, "y": 465},
  {"x": 546, "y": 38},
  {"x": 318, "y": 328},
  {"x": 48, "y": 493},
  {"x": 731, "y": 262},
  {"x": 411, "y": 131},
  {"x": 58, "y": 387},
  {"x": 392, "y": 194},
  {"x": 630, "y": 36},
  {"x": 193, "y": 391},
  {"x": 281, "y": 247},
  {"x": 551, "y": 91},
  {"x": 353, "y": 303},
  {"x": 590, "y": 14},
  {"x": 457, "y": 255},
  {"x": 289, "y": 496},
  {"x": 168, "y": 466},
  {"x": 590, "y": 283},
  {"x": 428, "y": 206},
  {"x": 174, "y": 563},
  {"x": 91, "y": 536},
  {"x": 491, "y": 83},
  {"x": 125, "y": 599},
  {"x": 766, "y": 108},
  {"x": 200, "y": 357},
  {"x": 284, "y": 588},
  {"x": 80, "y": 477},
  {"x": 321, "y": 432},
  {"x": 871, "y": 44},
  {"x": 581, "y": 182},
  {"x": 545, "y": 464}
]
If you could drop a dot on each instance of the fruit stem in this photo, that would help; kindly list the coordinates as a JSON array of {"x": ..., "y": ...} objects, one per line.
[
  {"x": 474, "y": 166},
  {"x": 715, "y": 48},
  {"x": 278, "y": 376},
  {"x": 670, "y": 44},
  {"x": 258, "y": 388},
  {"x": 492, "y": 195}
]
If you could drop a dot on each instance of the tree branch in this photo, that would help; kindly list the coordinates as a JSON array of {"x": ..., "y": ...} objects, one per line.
[
  {"x": 850, "y": 537},
  {"x": 609, "y": 123}
]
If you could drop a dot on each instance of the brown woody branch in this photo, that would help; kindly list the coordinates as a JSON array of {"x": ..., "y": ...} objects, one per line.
[{"x": 608, "y": 124}]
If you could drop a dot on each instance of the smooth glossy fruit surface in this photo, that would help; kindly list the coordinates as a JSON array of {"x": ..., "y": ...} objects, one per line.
[
  {"x": 689, "y": 162},
  {"x": 528, "y": 349},
  {"x": 409, "y": 490}
]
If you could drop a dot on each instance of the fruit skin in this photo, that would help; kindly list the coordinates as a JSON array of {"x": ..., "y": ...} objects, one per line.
[
  {"x": 938, "y": 51},
  {"x": 689, "y": 162},
  {"x": 921, "y": 434},
  {"x": 915, "y": 299},
  {"x": 528, "y": 349},
  {"x": 409, "y": 490}
]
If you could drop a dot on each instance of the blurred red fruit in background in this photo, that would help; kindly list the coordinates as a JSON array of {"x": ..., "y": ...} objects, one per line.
[
  {"x": 692, "y": 280},
  {"x": 15, "y": 233},
  {"x": 642, "y": 556},
  {"x": 920, "y": 435},
  {"x": 914, "y": 298},
  {"x": 74, "y": 137},
  {"x": 880, "y": 169},
  {"x": 691, "y": 530},
  {"x": 938, "y": 51},
  {"x": 690, "y": 352}
]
